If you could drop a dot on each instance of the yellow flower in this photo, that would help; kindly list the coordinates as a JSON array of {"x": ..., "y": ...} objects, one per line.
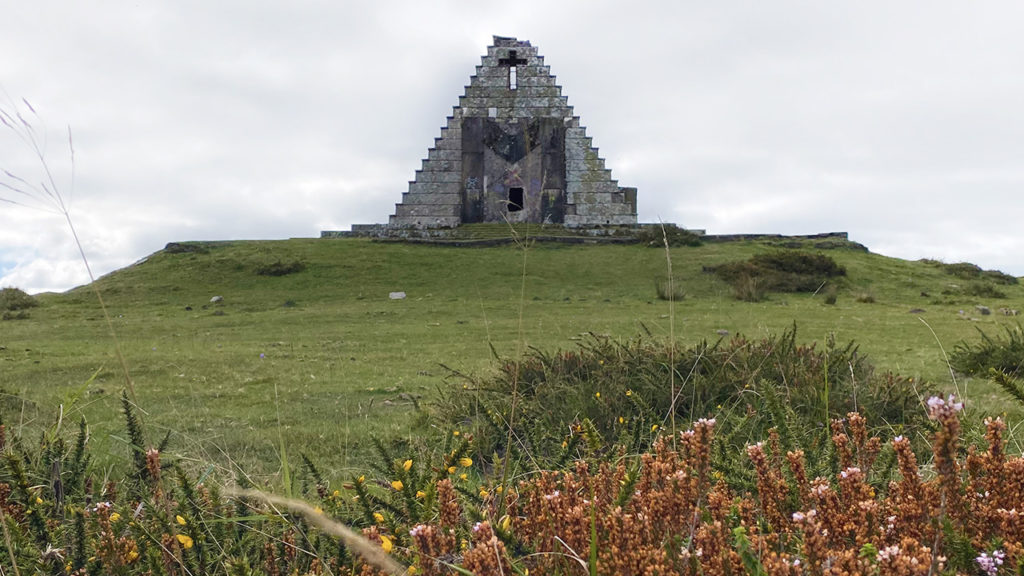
[
  {"x": 132, "y": 556},
  {"x": 397, "y": 485},
  {"x": 180, "y": 520},
  {"x": 499, "y": 489},
  {"x": 483, "y": 493},
  {"x": 378, "y": 517},
  {"x": 186, "y": 542},
  {"x": 451, "y": 469},
  {"x": 39, "y": 500},
  {"x": 386, "y": 544},
  {"x": 421, "y": 494},
  {"x": 411, "y": 570},
  {"x": 465, "y": 462},
  {"x": 463, "y": 476},
  {"x": 597, "y": 394},
  {"x": 565, "y": 444},
  {"x": 115, "y": 517},
  {"x": 336, "y": 493},
  {"x": 601, "y": 362},
  {"x": 629, "y": 392},
  {"x": 455, "y": 433},
  {"x": 361, "y": 479},
  {"x": 318, "y": 510},
  {"x": 654, "y": 427},
  {"x": 407, "y": 465},
  {"x": 621, "y": 419},
  {"x": 506, "y": 522}
]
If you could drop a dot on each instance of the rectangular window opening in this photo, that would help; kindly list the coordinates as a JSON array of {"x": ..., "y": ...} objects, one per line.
[
  {"x": 511, "y": 77},
  {"x": 515, "y": 199}
]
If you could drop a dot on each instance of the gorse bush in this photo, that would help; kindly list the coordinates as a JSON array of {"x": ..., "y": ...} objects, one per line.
[
  {"x": 1001, "y": 353},
  {"x": 778, "y": 271},
  {"x": 621, "y": 393}
]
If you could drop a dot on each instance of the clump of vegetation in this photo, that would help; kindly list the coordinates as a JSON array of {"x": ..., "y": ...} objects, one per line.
[
  {"x": 831, "y": 294},
  {"x": 778, "y": 271},
  {"x": 606, "y": 509},
  {"x": 1001, "y": 353},
  {"x": 968, "y": 271},
  {"x": 186, "y": 248},
  {"x": 621, "y": 393},
  {"x": 657, "y": 236},
  {"x": 865, "y": 297},
  {"x": 671, "y": 290},
  {"x": 15, "y": 303},
  {"x": 280, "y": 267},
  {"x": 975, "y": 289}
]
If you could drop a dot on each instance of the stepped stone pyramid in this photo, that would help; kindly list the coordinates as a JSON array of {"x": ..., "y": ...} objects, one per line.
[{"x": 513, "y": 151}]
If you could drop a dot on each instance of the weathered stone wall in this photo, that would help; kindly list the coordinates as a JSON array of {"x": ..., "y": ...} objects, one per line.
[{"x": 509, "y": 137}]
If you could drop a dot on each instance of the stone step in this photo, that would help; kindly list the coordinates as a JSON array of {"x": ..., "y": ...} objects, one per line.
[
  {"x": 432, "y": 198},
  {"x": 427, "y": 210},
  {"x": 437, "y": 176},
  {"x": 423, "y": 222}
]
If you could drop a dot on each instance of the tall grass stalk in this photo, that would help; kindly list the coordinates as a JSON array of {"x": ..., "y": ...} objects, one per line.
[
  {"x": 671, "y": 334},
  {"x": 369, "y": 551},
  {"x": 48, "y": 197},
  {"x": 945, "y": 357},
  {"x": 7, "y": 541}
]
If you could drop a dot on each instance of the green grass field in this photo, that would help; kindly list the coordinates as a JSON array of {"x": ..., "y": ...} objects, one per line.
[{"x": 325, "y": 360}]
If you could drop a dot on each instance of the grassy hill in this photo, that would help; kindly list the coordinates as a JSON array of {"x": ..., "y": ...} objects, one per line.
[{"x": 322, "y": 358}]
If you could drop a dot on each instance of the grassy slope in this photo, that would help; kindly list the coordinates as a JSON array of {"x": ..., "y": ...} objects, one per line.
[{"x": 342, "y": 362}]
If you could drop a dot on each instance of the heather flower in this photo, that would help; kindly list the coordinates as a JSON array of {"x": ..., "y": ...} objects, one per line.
[{"x": 990, "y": 564}]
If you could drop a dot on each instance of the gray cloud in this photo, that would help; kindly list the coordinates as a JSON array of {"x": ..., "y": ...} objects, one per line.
[{"x": 194, "y": 120}]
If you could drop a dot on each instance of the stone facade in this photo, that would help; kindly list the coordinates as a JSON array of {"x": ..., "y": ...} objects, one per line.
[{"x": 513, "y": 151}]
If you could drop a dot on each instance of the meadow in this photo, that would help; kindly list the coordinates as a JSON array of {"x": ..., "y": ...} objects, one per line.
[
  {"x": 321, "y": 360},
  {"x": 529, "y": 408}
]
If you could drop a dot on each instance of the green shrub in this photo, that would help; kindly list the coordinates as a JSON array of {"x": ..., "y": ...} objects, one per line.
[
  {"x": 968, "y": 271},
  {"x": 14, "y": 304},
  {"x": 981, "y": 290},
  {"x": 620, "y": 394},
  {"x": 14, "y": 299},
  {"x": 675, "y": 236},
  {"x": 778, "y": 271},
  {"x": 1000, "y": 353}
]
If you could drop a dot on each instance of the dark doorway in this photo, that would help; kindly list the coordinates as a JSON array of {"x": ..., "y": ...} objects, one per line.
[{"x": 515, "y": 199}]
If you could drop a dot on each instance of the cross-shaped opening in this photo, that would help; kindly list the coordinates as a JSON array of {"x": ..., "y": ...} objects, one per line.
[{"x": 512, "y": 62}]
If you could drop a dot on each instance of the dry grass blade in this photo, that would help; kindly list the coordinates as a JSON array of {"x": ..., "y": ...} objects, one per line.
[{"x": 360, "y": 545}]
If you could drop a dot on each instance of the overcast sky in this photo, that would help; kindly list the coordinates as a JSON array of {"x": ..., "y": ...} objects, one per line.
[{"x": 900, "y": 123}]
